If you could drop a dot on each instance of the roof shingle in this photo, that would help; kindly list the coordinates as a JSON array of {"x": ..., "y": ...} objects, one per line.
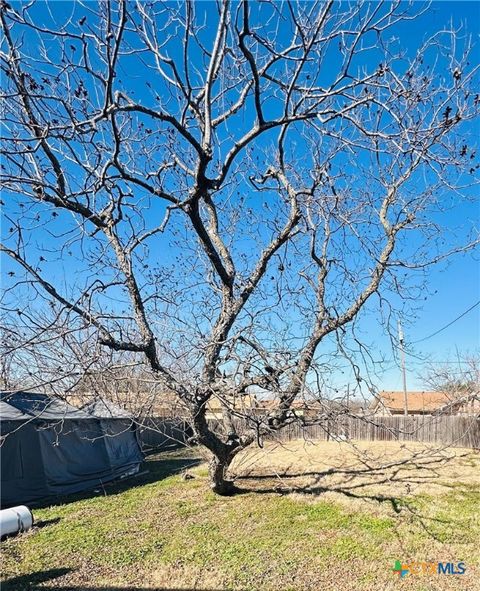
[{"x": 416, "y": 401}]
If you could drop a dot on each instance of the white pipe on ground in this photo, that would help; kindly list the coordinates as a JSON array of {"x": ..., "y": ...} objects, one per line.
[{"x": 15, "y": 520}]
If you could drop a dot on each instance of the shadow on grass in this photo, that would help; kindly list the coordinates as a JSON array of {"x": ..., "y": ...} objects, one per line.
[
  {"x": 398, "y": 504},
  {"x": 46, "y": 522},
  {"x": 155, "y": 468},
  {"x": 35, "y": 582},
  {"x": 31, "y": 581},
  {"x": 129, "y": 588}
]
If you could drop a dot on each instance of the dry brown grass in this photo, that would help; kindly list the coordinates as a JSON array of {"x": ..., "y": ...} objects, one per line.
[{"x": 387, "y": 468}]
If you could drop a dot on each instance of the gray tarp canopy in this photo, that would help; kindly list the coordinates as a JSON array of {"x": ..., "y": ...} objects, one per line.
[
  {"x": 49, "y": 448},
  {"x": 154, "y": 435}
]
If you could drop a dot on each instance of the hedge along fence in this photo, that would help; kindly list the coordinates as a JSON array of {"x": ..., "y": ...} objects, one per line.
[{"x": 456, "y": 431}]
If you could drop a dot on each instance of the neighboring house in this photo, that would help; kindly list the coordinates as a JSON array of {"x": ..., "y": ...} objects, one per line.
[
  {"x": 466, "y": 405},
  {"x": 299, "y": 407},
  {"x": 425, "y": 403},
  {"x": 154, "y": 403},
  {"x": 242, "y": 404}
]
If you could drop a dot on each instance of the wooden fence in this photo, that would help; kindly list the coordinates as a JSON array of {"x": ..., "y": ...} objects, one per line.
[
  {"x": 162, "y": 434},
  {"x": 456, "y": 431}
]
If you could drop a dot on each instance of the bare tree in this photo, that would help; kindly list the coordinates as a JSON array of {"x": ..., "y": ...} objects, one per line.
[
  {"x": 219, "y": 189},
  {"x": 460, "y": 380}
]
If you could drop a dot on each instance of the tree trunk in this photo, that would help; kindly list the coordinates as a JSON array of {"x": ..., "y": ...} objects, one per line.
[
  {"x": 219, "y": 482},
  {"x": 223, "y": 451}
]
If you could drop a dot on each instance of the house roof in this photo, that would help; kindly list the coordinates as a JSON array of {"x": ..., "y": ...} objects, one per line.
[{"x": 416, "y": 401}]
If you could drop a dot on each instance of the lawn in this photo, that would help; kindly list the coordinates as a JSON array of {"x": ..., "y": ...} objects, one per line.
[{"x": 342, "y": 533}]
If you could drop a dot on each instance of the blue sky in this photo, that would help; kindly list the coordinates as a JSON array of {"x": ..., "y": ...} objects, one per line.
[
  {"x": 456, "y": 287},
  {"x": 452, "y": 288}
]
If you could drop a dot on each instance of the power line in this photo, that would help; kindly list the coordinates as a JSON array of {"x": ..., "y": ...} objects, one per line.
[{"x": 447, "y": 325}]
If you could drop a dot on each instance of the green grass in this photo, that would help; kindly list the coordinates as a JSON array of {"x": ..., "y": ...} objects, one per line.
[{"x": 169, "y": 532}]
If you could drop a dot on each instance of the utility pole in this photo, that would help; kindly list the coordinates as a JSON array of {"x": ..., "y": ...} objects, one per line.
[{"x": 404, "y": 373}]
